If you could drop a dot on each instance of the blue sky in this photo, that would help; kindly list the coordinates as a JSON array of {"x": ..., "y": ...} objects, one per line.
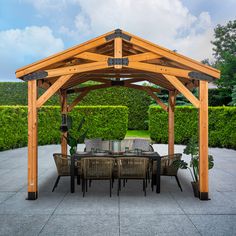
[{"x": 33, "y": 29}]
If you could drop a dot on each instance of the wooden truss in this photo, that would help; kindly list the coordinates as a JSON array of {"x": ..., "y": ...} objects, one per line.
[{"x": 117, "y": 58}]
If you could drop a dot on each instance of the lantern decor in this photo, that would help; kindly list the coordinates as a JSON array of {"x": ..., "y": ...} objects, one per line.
[{"x": 66, "y": 123}]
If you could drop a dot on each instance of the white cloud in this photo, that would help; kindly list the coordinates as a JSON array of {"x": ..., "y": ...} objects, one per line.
[
  {"x": 168, "y": 23},
  {"x": 19, "y": 47},
  {"x": 48, "y": 5}
]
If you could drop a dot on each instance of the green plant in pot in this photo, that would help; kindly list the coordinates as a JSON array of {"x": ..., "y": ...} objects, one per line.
[
  {"x": 71, "y": 138},
  {"x": 192, "y": 149}
]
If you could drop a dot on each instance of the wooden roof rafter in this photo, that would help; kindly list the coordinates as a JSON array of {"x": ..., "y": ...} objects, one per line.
[{"x": 98, "y": 59}]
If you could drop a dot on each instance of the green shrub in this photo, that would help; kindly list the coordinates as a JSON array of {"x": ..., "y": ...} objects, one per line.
[
  {"x": 222, "y": 125},
  {"x": 15, "y": 93},
  {"x": 219, "y": 97},
  {"x": 107, "y": 122}
]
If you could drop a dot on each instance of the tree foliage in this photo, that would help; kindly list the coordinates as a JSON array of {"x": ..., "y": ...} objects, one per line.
[{"x": 224, "y": 47}]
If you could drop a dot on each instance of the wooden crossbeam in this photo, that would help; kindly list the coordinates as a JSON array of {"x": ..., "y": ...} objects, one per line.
[
  {"x": 181, "y": 88},
  {"x": 68, "y": 70},
  {"x": 92, "y": 56},
  {"x": 52, "y": 90},
  {"x": 175, "y": 57},
  {"x": 143, "y": 56},
  {"x": 159, "y": 69},
  {"x": 158, "y": 100},
  {"x": 77, "y": 100}
]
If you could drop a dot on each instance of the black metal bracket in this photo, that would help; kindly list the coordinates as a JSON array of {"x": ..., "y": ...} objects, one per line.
[
  {"x": 118, "y": 61},
  {"x": 117, "y": 82},
  {"x": 118, "y": 34},
  {"x": 32, "y": 196},
  {"x": 200, "y": 76},
  {"x": 35, "y": 76},
  {"x": 204, "y": 196}
]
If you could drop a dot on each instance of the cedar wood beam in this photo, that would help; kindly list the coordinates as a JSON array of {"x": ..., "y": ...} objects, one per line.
[
  {"x": 52, "y": 90},
  {"x": 181, "y": 88}
]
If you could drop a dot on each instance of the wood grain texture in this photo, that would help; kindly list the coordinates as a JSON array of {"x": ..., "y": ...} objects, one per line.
[
  {"x": 32, "y": 137},
  {"x": 203, "y": 137}
]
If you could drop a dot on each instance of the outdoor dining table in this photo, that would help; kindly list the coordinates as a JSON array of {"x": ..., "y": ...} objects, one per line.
[{"x": 153, "y": 156}]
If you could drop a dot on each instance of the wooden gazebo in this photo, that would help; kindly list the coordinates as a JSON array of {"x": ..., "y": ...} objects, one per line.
[{"x": 117, "y": 58}]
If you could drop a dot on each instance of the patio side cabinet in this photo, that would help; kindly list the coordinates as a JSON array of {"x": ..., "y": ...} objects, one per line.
[
  {"x": 171, "y": 121},
  {"x": 32, "y": 141},
  {"x": 63, "y": 100},
  {"x": 203, "y": 140}
]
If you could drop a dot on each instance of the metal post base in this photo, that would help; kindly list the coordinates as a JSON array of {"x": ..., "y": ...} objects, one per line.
[
  {"x": 32, "y": 196},
  {"x": 203, "y": 196}
]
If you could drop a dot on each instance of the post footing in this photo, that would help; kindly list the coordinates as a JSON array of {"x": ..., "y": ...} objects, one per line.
[
  {"x": 203, "y": 196},
  {"x": 32, "y": 196}
]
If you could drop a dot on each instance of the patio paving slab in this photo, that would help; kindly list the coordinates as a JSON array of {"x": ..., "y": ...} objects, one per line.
[
  {"x": 17, "y": 204},
  {"x": 152, "y": 224},
  {"x": 215, "y": 225},
  {"x": 27, "y": 225},
  {"x": 84, "y": 225},
  {"x": 61, "y": 213}
]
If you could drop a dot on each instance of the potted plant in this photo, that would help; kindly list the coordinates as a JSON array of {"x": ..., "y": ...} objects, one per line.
[
  {"x": 73, "y": 141},
  {"x": 192, "y": 149}
]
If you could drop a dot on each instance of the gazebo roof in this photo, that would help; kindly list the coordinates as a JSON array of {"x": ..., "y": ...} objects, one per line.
[{"x": 118, "y": 58}]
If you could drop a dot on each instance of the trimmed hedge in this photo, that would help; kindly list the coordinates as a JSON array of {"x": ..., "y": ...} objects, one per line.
[
  {"x": 222, "y": 125},
  {"x": 15, "y": 93},
  {"x": 107, "y": 122}
]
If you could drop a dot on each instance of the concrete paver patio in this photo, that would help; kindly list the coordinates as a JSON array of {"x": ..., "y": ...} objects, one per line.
[{"x": 61, "y": 213}]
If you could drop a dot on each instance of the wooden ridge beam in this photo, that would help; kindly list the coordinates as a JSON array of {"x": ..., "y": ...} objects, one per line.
[
  {"x": 182, "y": 89},
  {"x": 143, "y": 57},
  {"x": 52, "y": 90},
  {"x": 159, "y": 69}
]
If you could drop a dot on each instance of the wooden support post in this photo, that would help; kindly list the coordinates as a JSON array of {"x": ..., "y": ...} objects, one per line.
[
  {"x": 171, "y": 122},
  {"x": 32, "y": 141},
  {"x": 118, "y": 51},
  {"x": 63, "y": 98},
  {"x": 203, "y": 140}
]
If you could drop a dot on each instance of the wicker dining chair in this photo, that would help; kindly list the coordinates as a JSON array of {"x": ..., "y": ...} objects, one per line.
[
  {"x": 96, "y": 168},
  {"x": 63, "y": 167},
  {"x": 132, "y": 168},
  {"x": 167, "y": 168}
]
